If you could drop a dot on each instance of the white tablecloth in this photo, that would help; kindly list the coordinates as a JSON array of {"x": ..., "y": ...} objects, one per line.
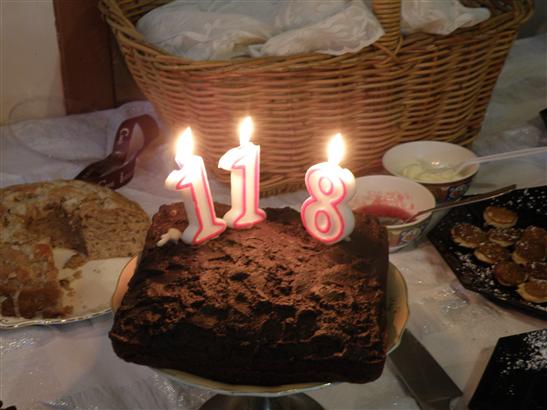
[{"x": 73, "y": 366}]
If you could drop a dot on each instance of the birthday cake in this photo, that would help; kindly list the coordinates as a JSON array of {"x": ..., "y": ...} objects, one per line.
[{"x": 263, "y": 306}]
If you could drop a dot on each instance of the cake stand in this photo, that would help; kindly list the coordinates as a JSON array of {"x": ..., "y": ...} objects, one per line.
[{"x": 286, "y": 397}]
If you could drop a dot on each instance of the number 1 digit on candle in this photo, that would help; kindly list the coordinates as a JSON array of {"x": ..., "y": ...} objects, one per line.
[
  {"x": 191, "y": 181},
  {"x": 243, "y": 163}
]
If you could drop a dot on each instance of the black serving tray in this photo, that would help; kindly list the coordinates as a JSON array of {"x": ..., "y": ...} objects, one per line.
[
  {"x": 531, "y": 206},
  {"x": 516, "y": 375}
]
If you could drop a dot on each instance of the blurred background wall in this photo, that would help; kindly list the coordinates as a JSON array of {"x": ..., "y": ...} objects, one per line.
[{"x": 30, "y": 60}]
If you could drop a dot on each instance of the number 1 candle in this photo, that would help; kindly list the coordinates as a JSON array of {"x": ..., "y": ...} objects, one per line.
[
  {"x": 326, "y": 214},
  {"x": 191, "y": 180},
  {"x": 243, "y": 162}
]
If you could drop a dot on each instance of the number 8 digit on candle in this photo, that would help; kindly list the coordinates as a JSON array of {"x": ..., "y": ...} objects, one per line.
[{"x": 326, "y": 214}]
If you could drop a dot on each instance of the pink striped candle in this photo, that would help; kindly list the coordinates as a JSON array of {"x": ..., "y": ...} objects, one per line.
[
  {"x": 191, "y": 180},
  {"x": 243, "y": 162},
  {"x": 326, "y": 214}
]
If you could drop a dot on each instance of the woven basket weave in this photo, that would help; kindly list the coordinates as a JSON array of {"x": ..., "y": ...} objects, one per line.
[{"x": 401, "y": 88}]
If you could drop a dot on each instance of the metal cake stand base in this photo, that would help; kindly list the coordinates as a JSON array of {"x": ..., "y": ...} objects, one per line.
[{"x": 298, "y": 401}]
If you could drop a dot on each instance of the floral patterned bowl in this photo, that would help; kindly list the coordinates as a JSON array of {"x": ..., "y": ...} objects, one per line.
[
  {"x": 391, "y": 198},
  {"x": 398, "y": 159}
]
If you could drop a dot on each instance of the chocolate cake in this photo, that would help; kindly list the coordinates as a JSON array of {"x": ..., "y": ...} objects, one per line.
[{"x": 264, "y": 306}]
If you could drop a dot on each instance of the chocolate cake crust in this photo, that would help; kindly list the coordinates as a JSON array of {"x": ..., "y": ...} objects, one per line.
[{"x": 264, "y": 306}]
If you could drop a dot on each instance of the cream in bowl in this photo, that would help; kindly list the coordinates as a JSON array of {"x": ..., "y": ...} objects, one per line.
[
  {"x": 432, "y": 164},
  {"x": 422, "y": 172},
  {"x": 393, "y": 199}
]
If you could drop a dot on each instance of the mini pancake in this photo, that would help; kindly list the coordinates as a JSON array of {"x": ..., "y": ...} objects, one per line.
[
  {"x": 491, "y": 253},
  {"x": 467, "y": 235},
  {"x": 535, "y": 234},
  {"x": 504, "y": 236},
  {"x": 499, "y": 217},
  {"x": 533, "y": 291},
  {"x": 509, "y": 274},
  {"x": 537, "y": 270},
  {"x": 527, "y": 252}
]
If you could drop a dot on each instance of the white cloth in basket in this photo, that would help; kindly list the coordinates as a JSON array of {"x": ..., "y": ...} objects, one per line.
[
  {"x": 221, "y": 30},
  {"x": 226, "y": 29},
  {"x": 439, "y": 16}
]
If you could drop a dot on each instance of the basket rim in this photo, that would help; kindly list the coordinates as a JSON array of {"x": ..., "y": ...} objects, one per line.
[{"x": 127, "y": 34}]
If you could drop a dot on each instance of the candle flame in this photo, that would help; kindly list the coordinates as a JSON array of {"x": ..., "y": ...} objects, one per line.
[
  {"x": 336, "y": 149},
  {"x": 246, "y": 128},
  {"x": 185, "y": 147}
]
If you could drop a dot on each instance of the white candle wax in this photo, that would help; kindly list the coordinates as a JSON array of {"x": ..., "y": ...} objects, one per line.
[
  {"x": 191, "y": 180},
  {"x": 243, "y": 162},
  {"x": 326, "y": 214}
]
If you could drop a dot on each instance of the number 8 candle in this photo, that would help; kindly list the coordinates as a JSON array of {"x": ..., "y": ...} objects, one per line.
[
  {"x": 191, "y": 180},
  {"x": 326, "y": 214},
  {"x": 243, "y": 162}
]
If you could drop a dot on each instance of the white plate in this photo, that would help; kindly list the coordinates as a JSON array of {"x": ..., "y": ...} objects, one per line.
[
  {"x": 91, "y": 295},
  {"x": 397, "y": 316}
]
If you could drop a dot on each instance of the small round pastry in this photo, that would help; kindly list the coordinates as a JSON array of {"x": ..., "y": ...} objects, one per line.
[
  {"x": 534, "y": 234},
  {"x": 537, "y": 270},
  {"x": 504, "y": 236},
  {"x": 499, "y": 217},
  {"x": 489, "y": 252},
  {"x": 533, "y": 291},
  {"x": 527, "y": 252},
  {"x": 509, "y": 274},
  {"x": 467, "y": 235}
]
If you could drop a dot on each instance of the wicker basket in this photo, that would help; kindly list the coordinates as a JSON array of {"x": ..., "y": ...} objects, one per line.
[{"x": 401, "y": 88}]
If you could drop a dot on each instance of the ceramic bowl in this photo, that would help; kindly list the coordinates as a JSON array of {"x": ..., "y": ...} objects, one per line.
[
  {"x": 401, "y": 156},
  {"x": 377, "y": 192}
]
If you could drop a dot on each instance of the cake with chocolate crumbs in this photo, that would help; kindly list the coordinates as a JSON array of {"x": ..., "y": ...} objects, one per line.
[{"x": 264, "y": 306}]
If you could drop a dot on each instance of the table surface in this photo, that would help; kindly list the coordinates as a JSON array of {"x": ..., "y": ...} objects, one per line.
[{"x": 73, "y": 365}]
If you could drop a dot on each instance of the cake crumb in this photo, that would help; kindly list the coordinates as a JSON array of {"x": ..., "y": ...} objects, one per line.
[
  {"x": 75, "y": 261},
  {"x": 65, "y": 284}
]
